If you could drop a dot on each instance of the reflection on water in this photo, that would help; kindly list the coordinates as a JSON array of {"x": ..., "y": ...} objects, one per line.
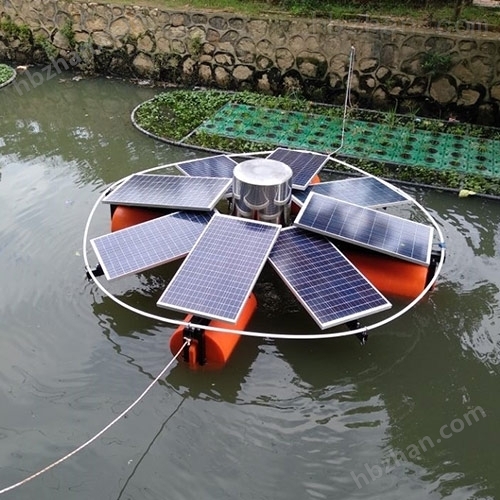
[{"x": 284, "y": 420}]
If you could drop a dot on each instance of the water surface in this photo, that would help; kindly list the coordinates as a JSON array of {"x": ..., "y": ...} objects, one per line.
[{"x": 284, "y": 420}]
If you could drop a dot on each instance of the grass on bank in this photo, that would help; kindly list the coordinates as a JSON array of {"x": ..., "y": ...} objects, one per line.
[
  {"x": 6, "y": 73},
  {"x": 173, "y": 115},
  {"x": 431, "y": 13}
]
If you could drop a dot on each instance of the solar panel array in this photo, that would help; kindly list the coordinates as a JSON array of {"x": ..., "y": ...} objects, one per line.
[
  {"x": 364, "y": 191},
  {"x": 219, "y": 273},
  {"x": 304, "y": 164},
  {"x": 226, "y": 254},
  {"x": 149, "y": 244},
  {"x": 330, "y": 288},
  {"x": 366, "y": 227},
  {"x": 170, "y": 191},
  {"x": 213, "y": 166}
]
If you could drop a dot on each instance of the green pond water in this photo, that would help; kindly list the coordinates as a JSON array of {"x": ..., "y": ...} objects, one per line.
[{"x": 413, "y": 414}]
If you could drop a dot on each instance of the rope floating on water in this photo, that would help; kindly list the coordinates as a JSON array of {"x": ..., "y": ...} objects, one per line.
[{"x": 100, "y": 433}]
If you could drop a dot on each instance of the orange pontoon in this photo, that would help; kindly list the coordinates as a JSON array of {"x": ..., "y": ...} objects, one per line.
[{"x": 218, "y": 346}]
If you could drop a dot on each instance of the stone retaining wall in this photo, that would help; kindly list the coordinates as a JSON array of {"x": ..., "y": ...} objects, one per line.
[{"x": 435, "y": 71}]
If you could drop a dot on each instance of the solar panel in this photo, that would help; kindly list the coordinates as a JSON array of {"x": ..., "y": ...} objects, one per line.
[
  {"x": 364, "y": 191},
  {"x": 171, "y": 191},
  {"x": 149, "y": 244},
  {"x": 218, "y": 275},
  {"x": 366, "y": 227},
  {"x": 329, "y": 287},
  {"x": 305, "y": 164},
  {"x": 214, "y": 166}
]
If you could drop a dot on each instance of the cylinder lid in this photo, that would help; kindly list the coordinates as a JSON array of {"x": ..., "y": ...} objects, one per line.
[{"x": 262, "y": 172}]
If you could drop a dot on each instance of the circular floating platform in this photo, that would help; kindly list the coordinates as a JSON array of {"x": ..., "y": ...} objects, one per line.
[{"x": 341, "y": 257}]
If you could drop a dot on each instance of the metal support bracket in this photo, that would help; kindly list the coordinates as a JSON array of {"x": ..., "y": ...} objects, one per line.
[
  {"x": 196, "y": 333},
  {"x": 361, "y": 336},
  {"x": 97, "y": 271}
]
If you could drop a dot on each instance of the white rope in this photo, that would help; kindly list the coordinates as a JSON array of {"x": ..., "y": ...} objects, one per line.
[
  {"x": 347, "y": 100},
  {"x": 349, "y": 76},
  {"x": 291, "y": 336},
  {"x": 100, "y": 433}
]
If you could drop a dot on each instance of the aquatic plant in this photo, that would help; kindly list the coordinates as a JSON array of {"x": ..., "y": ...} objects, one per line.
[
  {"x": 174, "y": 115},
  {"x": 6, "y": 72}
]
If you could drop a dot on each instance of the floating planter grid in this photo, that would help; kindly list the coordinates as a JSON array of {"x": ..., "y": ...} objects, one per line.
[{"x": 367, "y": 140}]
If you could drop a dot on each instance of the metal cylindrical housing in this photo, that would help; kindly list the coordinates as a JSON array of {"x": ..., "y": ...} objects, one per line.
[{"x": 262, "y": 189}]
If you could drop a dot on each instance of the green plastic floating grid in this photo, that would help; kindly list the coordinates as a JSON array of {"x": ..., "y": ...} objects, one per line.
[{"x": 367, "y": 140}]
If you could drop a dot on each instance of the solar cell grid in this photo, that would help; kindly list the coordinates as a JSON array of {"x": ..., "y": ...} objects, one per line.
[
  {"x": 304, "y": 164},
  {"x": 366, "y": 227},
  {"x": 149, "y": 244},
  {"x": 363, "y": 191},
  {"x": 218, "y": 275},
  {"x": 170, "y": 191},
  {"x": 213, "y": 166},
  {"x": 329, "y": 287}
]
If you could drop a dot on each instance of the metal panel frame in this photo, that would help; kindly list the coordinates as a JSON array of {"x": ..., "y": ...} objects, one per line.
[
  {"x": 193, "y": 255},
  {"x": 338, "y": 321},
  {"x": 298, "y": 222},
  {"x": 300, "y": 187},
  {"x": 355, "y": 180},
  {"x": 112, "y": 197},
  {"x": 156, "y": 224}
]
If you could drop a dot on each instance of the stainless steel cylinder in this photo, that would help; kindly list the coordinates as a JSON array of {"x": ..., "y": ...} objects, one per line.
[{"x": 262, "y": 190}]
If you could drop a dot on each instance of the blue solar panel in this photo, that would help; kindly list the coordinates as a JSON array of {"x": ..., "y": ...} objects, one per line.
[
  {"x": 218, "y": 275},
  {"x": 214, "y": 166},
  {"x": 366, "y": 227},
  {"x": 304, "y": 164},
  {"x": 169, "y": 191},
  {"x": 149, "y": 244},
  {"x": 363, "y": 191},
  {"x": 330, "y": 288}
]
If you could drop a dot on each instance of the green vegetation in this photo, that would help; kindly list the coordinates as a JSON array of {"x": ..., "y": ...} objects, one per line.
[
  {"x": 195, "y": 45},
  {"x": 13, "y": 30},
  {"x": 435, "y": 63},
  {"x": 69, "y": 33},
  {"x": 175, "y": 115},
  {"x": 445, "y": 14},
  {"x": 48, "y": 47},
  {"x": 6, "y": 73}
]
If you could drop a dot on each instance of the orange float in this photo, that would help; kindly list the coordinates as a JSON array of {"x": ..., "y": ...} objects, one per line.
[
  {"x": 295, "y": 208},
  {"x": 218, "y": 346},
  {"x": 315, "y": 180},
  {"x": 123, "y": 217},
  {"x": 391, "y": 276}
]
